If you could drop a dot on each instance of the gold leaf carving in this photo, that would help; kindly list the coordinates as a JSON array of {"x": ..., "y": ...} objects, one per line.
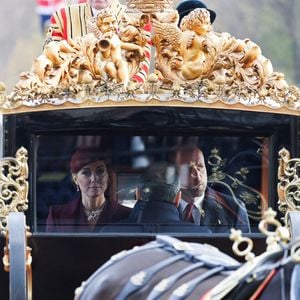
[
  {"x": 13, "y": 185},
  {"x": 193, "y": 64},
  {"x": 288, "y": 187}
]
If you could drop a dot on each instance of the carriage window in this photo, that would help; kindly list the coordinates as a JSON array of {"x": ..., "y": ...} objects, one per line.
[{"x": 130, "y": 184}]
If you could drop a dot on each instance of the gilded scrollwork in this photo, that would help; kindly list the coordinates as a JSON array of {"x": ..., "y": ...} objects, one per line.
[
  {"x": 194, "y": 64},
  {"x": 13, "y": 185},
  {"x": 107, "y": 53},
  {"x": 288, "y": 187},
  {"x": 233, "y": 67}
]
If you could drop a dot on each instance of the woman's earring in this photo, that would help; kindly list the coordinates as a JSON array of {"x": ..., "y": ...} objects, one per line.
[{"x": 77, "y": 187}]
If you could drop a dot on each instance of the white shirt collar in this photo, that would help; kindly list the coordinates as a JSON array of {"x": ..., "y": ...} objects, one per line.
[{"x": 198, "y": 201}]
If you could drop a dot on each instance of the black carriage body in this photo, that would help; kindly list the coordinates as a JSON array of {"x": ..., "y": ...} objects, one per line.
[{"x": 62, "y": 261}]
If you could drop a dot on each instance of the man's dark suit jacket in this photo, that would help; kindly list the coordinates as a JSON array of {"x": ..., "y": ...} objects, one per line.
[
  {"x": 220, "y": 212},
  {"x": 154, "y": 217}
]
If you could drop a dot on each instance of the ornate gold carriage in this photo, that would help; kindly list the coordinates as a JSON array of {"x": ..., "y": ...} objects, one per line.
[{"x": 203, "y": 87}]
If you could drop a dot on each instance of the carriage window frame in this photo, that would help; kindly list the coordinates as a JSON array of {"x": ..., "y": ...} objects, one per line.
[{"x": 121, "y": 173}]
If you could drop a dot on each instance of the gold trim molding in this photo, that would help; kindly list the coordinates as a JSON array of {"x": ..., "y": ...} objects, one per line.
[
  {"x": 142, "y": 100},
  {"x": 13, "y": 185}
]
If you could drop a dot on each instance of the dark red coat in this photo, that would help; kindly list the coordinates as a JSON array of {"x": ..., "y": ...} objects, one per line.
[{"x": 70, "y": 217}]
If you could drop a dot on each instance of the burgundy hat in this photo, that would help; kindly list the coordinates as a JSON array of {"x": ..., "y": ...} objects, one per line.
[
  {"x": 185, "y": 7},
  {"x": 85, "y": 156}
]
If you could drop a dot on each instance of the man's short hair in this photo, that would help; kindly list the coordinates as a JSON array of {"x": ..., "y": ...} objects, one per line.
[
  {"x": 160, "y": 183},
  {"x": 184, "y": 149}
]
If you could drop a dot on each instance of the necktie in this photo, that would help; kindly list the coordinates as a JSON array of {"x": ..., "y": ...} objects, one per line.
[{"x": 188, "y": 213}]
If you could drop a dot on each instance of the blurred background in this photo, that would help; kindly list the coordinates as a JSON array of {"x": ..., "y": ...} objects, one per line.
[{"x": 273, "y": 24}]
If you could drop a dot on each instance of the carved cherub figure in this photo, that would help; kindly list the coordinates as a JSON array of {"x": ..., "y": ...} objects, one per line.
[
  {"x": 187, "y": 47},
  {"x": 110, "y": 45},
  {"x": 196, "y": 52},
  {"x": 194, "y": 44}
]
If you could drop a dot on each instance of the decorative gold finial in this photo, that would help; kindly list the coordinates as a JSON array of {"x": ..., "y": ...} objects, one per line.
[
  {"x": 149, "y": 6},
  {"x": 152, "y": 78},
  {"x": 152, "y": 85},
  {"x": 278, "y": 234},
  {"x": 3, "y": 96},
  {"x": 2, "y": 87},
  {"x": 239, "y": 241}
]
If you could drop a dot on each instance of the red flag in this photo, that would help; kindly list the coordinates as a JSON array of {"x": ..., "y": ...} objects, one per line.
[{"x": 47, "y": 7}]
